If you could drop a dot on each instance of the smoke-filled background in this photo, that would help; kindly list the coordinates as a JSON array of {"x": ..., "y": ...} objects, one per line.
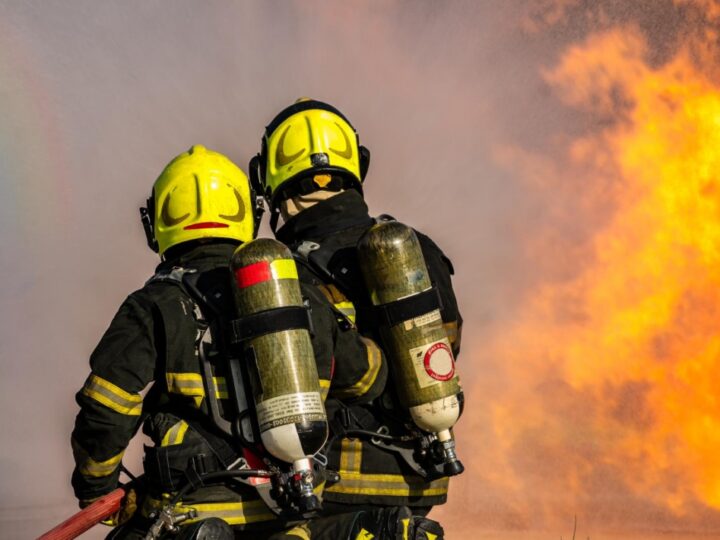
[{"x": 563, "y": 153}]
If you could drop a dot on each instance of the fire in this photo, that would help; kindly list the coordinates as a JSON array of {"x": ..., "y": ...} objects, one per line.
[{"x": 613, "y": 367}]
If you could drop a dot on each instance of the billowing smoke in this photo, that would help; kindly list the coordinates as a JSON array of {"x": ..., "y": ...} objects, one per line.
[
  {"x": 562, "y": 152},
  {"x": 606, "y": 407}
]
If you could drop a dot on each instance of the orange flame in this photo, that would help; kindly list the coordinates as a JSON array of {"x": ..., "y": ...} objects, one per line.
[{"x": 613, "y": 367}]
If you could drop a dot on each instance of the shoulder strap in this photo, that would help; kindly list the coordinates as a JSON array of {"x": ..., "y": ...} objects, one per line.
[
  {"x": 321, "y": 257},
  {"x": 211, "y": 312},
  {"x": 384, "y": 217},
  {"x": 331, "y": 260},
  {"x": 175, "y": 275}
]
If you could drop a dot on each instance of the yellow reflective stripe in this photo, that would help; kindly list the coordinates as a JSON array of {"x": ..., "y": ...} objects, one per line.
[
  {"x": 406, "y": 526},
  {"x": 235, "y": 513},
  {"x": 324, "y": 388},
  {"x": 284, "y": 269},
  {"x": 112, "y": 396},
  {"x": 191, "y": 384},
  {"x": 361, "y": 387},
  {"x": 175, "y": 434},
  {"x": 355, "y": 483},
  {"x": 221, "y": 390},
  {"x": 187, "y": 384},
  {"x": 301, "y": 531},
  {"x": 347, "y": 309},
  {"x": 98, "y": 469},
  {"x": 350, "y": 455}
]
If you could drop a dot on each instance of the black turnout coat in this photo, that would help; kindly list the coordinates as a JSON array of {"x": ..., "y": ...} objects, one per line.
[
  {"x": 368, "y": 474},
  {"x": 145, "y": 371}
]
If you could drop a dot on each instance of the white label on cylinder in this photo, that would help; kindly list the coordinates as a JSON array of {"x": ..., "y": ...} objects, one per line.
[
  {"x": 433, "y": 363},
  {"x": 422, "y": 320},
  {"x": 290, "y": 408}
]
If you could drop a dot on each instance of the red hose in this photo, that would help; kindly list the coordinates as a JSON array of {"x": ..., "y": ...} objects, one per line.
[{"x": 86, "y": 518}]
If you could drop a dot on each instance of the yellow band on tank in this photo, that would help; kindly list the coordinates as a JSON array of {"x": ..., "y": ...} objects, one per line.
[{"x": 284, "y": 269}]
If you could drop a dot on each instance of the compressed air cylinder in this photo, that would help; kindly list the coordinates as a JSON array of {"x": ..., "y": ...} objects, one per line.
[
  {"x": 418, "y": 348},
  {"x": 283, "y": 374}
]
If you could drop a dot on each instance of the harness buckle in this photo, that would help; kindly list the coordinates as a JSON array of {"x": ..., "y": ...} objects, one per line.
[
  {"x": 306, "y": 247},
  {"x": 345, "y": 417},
  {"x": 321, "y": 459},
  {"x": 382, "y": 430}
]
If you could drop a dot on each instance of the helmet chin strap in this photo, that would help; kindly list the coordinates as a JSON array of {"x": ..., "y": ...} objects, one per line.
[{"x": 146, "y": 219}]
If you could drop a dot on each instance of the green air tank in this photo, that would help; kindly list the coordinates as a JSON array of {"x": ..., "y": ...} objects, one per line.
[
  {"x": 283, "y": 375},
  {"x": 418, "y": 347}
]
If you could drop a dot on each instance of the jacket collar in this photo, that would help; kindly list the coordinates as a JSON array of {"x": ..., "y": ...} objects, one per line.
[
  {"x": 343, "y": 211},
  {"x": 200, "y": 255}
]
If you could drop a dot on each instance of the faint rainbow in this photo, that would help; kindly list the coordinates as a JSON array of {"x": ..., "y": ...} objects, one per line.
[{"x": 34, "y": 172}]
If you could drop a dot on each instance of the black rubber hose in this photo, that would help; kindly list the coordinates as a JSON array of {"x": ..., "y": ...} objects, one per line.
[
  {"x": 219, "y": 475},
  {"x": 376, "y": 435}
]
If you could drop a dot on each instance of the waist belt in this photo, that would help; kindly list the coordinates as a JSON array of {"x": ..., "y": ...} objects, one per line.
[
  {"x": 234, "y": 513},
  {"x": 171, "y": 467}
]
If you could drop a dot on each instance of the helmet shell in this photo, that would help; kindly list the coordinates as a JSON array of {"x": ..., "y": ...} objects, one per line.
[
  {"x": 201, "y": 194},
  {"x": 305, "y": 139}
]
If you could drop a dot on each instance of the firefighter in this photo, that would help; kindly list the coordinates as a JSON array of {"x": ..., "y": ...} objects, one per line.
[
  {"x": 162, "y": 364},
  {"x": 311, "y": 169}
]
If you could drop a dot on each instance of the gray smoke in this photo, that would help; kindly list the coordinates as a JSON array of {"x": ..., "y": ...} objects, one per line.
[{"x": 100, "y": 96}]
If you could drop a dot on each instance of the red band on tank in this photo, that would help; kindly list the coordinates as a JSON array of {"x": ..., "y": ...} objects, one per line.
[{"x": 252, "y": 274}]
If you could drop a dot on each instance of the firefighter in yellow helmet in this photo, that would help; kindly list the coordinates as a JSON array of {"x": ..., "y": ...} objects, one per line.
[
  {"x": 163, "y": 365},
  {"x": 201, "y": 195},
  {"x": 310, "y": 151},
  {"x": 311, "y": 169}
]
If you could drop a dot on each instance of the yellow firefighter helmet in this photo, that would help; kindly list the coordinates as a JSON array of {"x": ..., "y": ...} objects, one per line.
[
  {"x": 309, "y": 145},
  {"x": 200, "y": 194}
]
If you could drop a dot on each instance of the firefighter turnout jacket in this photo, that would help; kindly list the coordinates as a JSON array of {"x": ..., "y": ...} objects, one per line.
[
  {"x": 323, "y": 238},
  {"x": 146, "y": 371}
]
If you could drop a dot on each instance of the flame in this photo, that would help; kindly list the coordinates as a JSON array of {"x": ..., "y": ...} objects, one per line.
[{"x": 612, "y": 368}]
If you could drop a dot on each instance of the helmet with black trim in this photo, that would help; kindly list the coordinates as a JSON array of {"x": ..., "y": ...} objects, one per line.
[
  {"x": 308, "y": 146},
  {"x": 200, "y": 194}
]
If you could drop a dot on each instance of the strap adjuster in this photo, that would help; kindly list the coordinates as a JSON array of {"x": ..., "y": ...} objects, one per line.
[
  {"x": 270, "y": 321},
  {"x": 199, "y": 466},
  {"x": 408, "y": 308}
]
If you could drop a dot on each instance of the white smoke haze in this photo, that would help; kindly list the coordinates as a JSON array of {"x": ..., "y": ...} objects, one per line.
[{"x": 472, "y": 115}]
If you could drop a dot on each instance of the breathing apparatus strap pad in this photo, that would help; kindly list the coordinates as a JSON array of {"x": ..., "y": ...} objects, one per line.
[
  {"x": 408, "y": 308},
  {"x": 270, "y": 321}
]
